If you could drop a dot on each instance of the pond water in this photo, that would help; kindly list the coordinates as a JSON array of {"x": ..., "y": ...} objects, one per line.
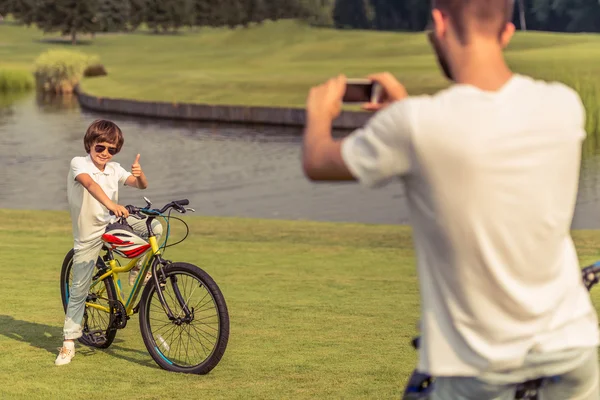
[{"x": 224, "y": 170}]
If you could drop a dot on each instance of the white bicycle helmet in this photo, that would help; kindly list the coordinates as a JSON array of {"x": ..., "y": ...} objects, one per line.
[{"x": 121, "y": 239}]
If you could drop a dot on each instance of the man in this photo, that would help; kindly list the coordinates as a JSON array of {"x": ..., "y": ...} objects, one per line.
[{"x": 490, "y": 167}]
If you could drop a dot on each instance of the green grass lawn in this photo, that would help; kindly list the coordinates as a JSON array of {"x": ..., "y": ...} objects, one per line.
[
  {"x": 318, "y": 310},
  {"x": 276, "y": 63}
]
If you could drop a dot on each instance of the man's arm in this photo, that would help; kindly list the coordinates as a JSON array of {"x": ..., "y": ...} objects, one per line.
[
  {"x": 322, "y": 156},
  {"x": 96, "y": 191}
]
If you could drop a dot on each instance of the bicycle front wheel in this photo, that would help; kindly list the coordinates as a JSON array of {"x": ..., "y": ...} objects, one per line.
[
  {"x": 97, "y": 323},
  {"x": 193, "y": 344}
]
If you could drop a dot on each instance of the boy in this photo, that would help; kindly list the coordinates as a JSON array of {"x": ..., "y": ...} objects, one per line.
[{"x": 93, "y": 191}]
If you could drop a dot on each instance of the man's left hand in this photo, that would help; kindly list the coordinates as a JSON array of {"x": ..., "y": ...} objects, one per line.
[{"x": 325, "y": 100}]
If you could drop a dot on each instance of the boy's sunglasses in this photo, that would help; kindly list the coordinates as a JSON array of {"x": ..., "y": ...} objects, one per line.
[{"x": 100, "y": 149}]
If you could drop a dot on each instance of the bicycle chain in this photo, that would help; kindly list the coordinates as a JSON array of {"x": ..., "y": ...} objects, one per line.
[{"x": 120, "y": 316}]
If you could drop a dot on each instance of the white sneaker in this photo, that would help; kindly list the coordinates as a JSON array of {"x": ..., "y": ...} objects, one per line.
[
  {"x": 135, "y": 271},
  {"x": 65, "y": 356}
]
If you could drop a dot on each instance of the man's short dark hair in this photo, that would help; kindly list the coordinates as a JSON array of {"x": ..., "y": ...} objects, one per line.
[{"x": 483, "y": 16}]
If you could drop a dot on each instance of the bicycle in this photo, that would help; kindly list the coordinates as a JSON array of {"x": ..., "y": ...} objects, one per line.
[
  {"x": 420, "y": 385},
  {"x": 178, "y": 301}
]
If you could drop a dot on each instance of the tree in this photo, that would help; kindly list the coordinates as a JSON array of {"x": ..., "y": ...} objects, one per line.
[
  {"x": 5, "y": 7},
  {"x": 256, "y": 11},
  {"x": 113, "y": 15},
  {"x": 69, "y": 17},
  {"x": 137, "y": 13},
  {"x": 228, "y": 12},
  {"x": 283, "y": 9},
  {"x": 235, "y": 12},
  {"x": 168, "y": 15},
  {"x": 351, "y": 14},
  {"x": 209, "y": 13},
  {"x": 317, "y": 12},
  {"x": 567, "y": 15},
  {"x": 522, "y": 15},
  {"x": 25, "y": 11},
  {"x": 181, "y": 12},
  {"x": 583, "y": 15},
  {"x": 416, "y": 14}
]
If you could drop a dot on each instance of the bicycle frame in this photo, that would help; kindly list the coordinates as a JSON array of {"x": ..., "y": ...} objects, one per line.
[
  {"x": 114, "y": 270},
  {"x": 153, "y": 258}
]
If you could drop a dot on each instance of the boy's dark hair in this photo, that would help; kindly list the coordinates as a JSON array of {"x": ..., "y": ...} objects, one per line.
[
  {"x": 102, "y": 130},
  {"x": 484, "y": 16}
]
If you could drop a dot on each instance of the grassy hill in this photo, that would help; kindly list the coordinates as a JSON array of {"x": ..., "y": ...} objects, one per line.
[{"x": 276, "y": 63}]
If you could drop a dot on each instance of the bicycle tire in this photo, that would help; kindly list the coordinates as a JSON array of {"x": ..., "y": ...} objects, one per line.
[
  {"x": 87, "y": 338},
  {"x": 222, "y": 339}
]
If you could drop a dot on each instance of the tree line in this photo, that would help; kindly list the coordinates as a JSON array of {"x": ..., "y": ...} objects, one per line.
[
  {"x": 71, "y": 17},
  {"x": 413, "y": 15}
]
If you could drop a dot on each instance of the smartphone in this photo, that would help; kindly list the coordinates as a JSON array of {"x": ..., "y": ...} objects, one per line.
[{"x": 362, "y": 91}]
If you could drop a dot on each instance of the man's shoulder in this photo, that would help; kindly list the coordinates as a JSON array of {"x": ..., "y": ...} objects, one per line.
[
  {"x": 545, "y": 85},
  {"x": 521, "y": 87},
  {"x": 557, "y": 97}
]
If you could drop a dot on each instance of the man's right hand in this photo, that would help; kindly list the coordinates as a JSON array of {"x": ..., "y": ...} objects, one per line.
[
  {"x": 119, "y": 210},
  {"x": 392, "y": 91}
]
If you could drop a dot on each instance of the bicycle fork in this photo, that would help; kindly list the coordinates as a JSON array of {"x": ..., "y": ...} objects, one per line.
[{"x": 160, "y": 283}]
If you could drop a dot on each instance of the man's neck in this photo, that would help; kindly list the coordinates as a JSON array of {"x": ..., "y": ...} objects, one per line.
[{"x": 482, "y": 66}]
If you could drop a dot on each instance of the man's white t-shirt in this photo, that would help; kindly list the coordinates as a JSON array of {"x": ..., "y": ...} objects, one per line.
[
  {"x": 491, "y": 181},
  {"x": 88, "y": 216}
]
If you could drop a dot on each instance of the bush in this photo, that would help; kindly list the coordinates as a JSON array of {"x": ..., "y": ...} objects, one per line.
[
  {"x": 59, "y": 71},
  {"x": 15, "y": 81},
  {"x": 95, "y": 70}
]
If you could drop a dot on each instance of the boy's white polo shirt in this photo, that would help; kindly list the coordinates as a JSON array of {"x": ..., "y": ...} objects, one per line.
[
  {"x": 491, "y": 181},
  {"x": 88, "y": 216}
]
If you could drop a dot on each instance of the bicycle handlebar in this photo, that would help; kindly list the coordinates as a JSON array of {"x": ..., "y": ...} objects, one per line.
[
  {"x": 591, "y": 275},
  {"x": 177, "y": 205}
]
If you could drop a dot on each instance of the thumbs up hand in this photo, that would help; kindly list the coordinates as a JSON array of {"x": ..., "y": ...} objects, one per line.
[
  {"x": 137, "y": 178},
  {"x": 136, "y": 169}
]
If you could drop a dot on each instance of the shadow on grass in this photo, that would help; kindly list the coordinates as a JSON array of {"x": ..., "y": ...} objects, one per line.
[
  {"x": 65, "y": 41},
  {"x": 49, "y": 338},
  {"x": 12, "y": 23},
  {"x": 43, "y": 337},
  {"x": 163, "y": 33}
]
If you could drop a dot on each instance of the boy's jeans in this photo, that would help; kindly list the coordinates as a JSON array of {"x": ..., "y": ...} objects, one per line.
[{"x": 84, "y": 261}]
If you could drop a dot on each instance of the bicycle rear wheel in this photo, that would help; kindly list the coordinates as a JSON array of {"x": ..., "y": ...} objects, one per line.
[
  {"x": 189, "y": 345},
  {"x": 98, "y": 329}
]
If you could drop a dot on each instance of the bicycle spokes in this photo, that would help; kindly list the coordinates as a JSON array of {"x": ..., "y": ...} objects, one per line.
[
  {"x": 191, "y": 335},
  {"x": 98, "y": 318}
]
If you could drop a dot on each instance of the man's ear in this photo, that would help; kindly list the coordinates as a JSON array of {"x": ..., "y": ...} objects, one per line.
[
  {"x": 440, "y": 23},
  {"x": 507, "y": 34}
]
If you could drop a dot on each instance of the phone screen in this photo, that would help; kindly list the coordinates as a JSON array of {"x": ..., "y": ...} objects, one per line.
[{"x": 358, "y": 92}]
